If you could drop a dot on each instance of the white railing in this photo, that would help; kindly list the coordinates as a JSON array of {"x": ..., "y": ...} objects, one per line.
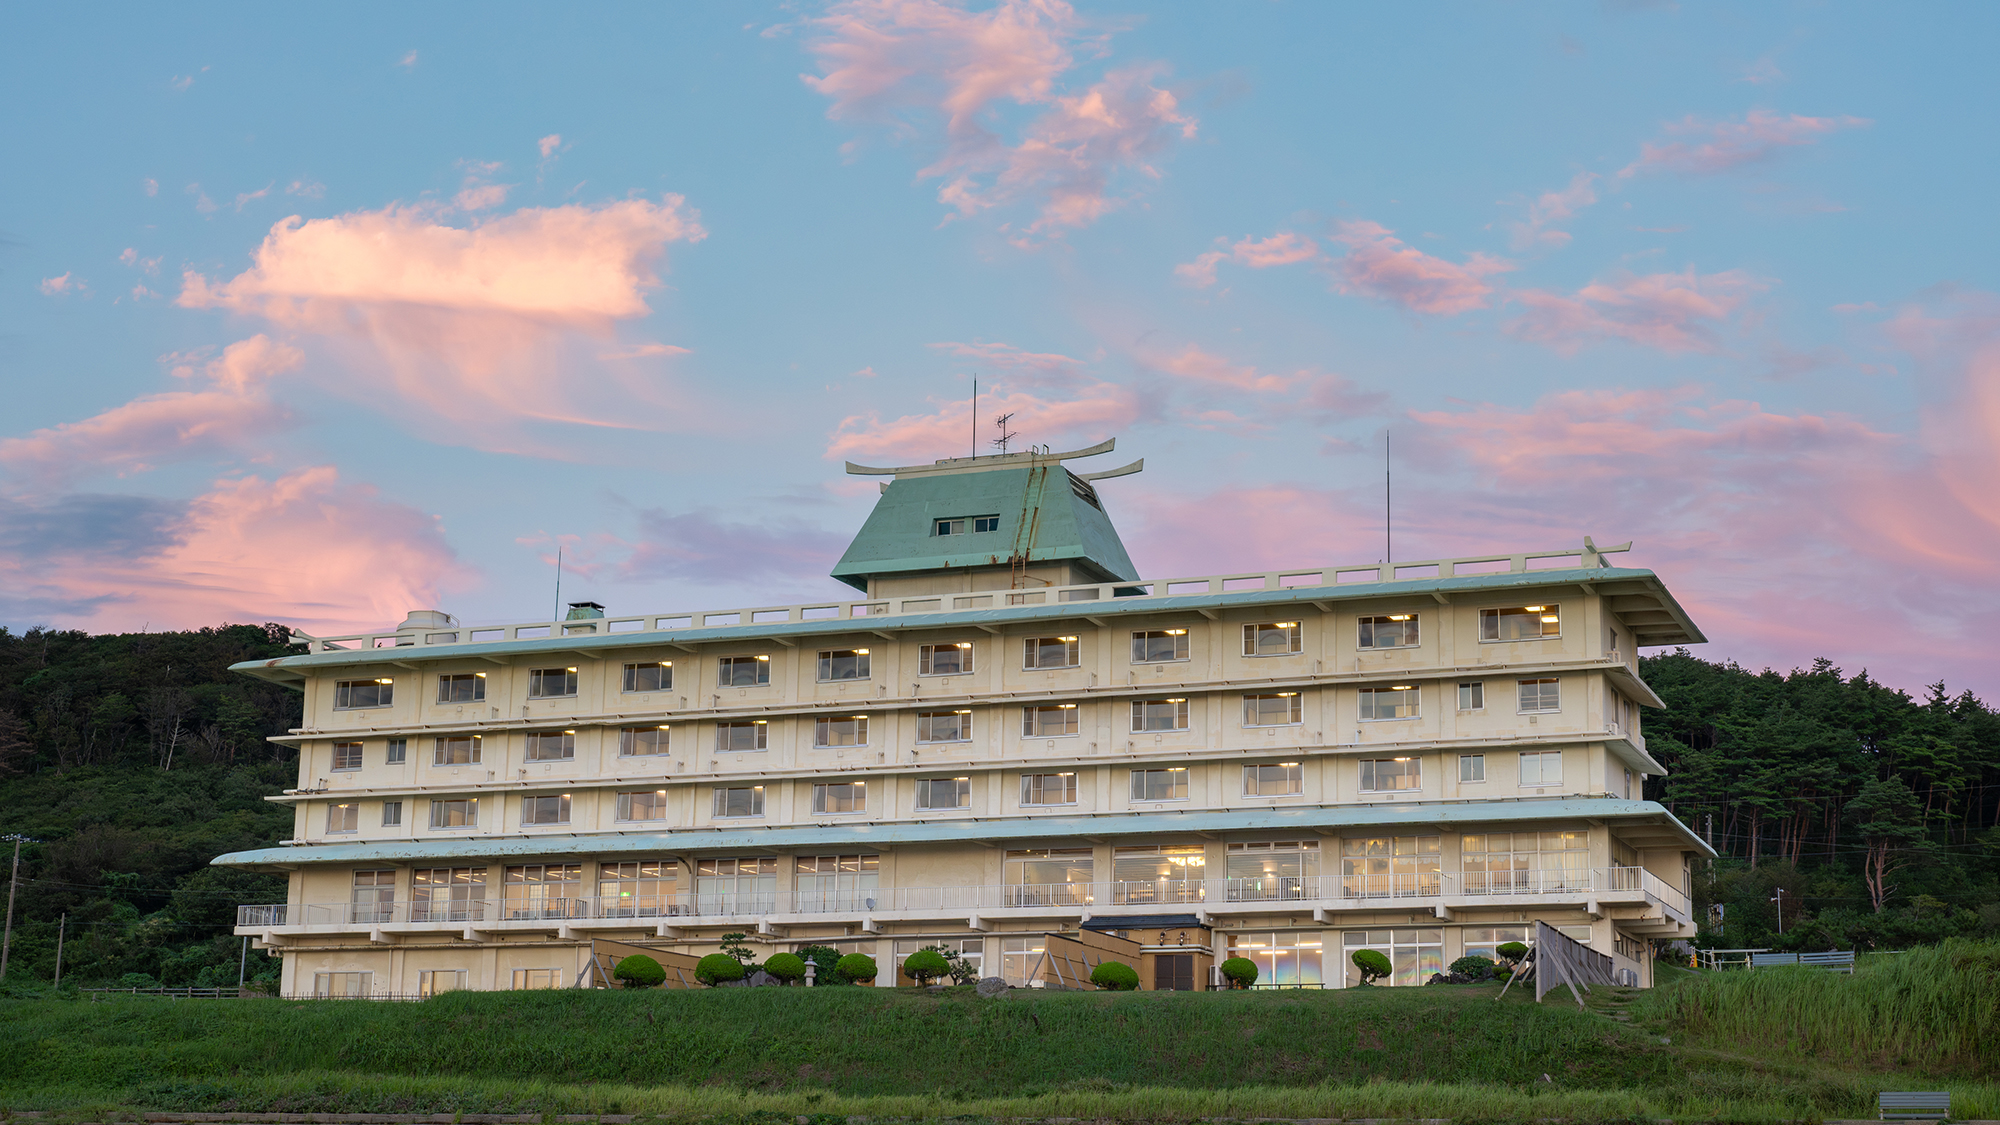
[
  {"x": 872, "y": 608},
  {"x": 1508, "y": 884}
]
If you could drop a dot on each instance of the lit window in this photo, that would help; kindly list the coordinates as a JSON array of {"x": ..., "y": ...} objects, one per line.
[
  {"x": 1525, "y": 623},
  {"x": 1282, "y": 638},
  {"x": 343, "y": 817},
  {"x": 1276, "y": 709},
  {"x": 1054, "y": 720},
  {"x": 1541, "y": 767},
  {"x": 1396, "y": 630},
  {"x": 462, "y": 687},
  {"x": 741, "y": 736},
  {"x": 1388, "y": 775},
  {"x": 940, "y": 793},
  {"x": 743, "y": 671},
  {"x": 347, "y": 755},
  {"x": 1159, "y": 646},
  {"x": 1048, "y": 789},
  {"x": 635, "y": 742},
  {"x": 392, "y": 814},
  {"x": 551, "y": 683},
  {"x": 944, "y": 726},
  {"x": 954, "y": 659},
  {"x": 1286, "y": 779},
  {"x": 654, "y": 675},
  {"x": 1052, "y": 652},
  {"x": 741, "y": 800},
  {"x": 457, "y": 750},
  {"x": 552, "y": 746},
  {"x": 1397, "y": 702},
  {"x": 1160, "y": 785},
  {"x": 1159, "y": 715},
  {"x": 840, "y": 797},
  {"x": 843, "y": 730},
  {"x": 1472, "y": 767},
  {"x": 646, "y": 804},
  {"x": 843, "y": 664},
  {"x": 545, "y": 810},
  {"x": 398, "y": 752},
  {"x": 1472, "y": 696},
  {"x": 1540, "y": 696},
  {"x": 456, "y": 812},
  {"x": 354, "y": 695}
]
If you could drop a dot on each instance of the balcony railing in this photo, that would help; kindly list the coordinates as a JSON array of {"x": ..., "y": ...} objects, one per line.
[{"x": 1336, "y": 891}]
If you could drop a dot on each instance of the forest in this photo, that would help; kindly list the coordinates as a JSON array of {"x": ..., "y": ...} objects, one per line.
[{"x": 128, "y": 761}]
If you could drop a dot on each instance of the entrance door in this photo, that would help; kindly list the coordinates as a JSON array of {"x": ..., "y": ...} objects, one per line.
[{"x": 1173, "y": 972}]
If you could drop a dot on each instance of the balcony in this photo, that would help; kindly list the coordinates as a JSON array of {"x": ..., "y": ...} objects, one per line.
[{"x": 1325, "y": 895}]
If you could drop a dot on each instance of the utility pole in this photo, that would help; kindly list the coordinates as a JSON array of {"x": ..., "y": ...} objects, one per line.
[
  {"x": 62, "y": 928},
  {"x": 242, "y": 962},
  {"x": 1780, "y": 900},
  {"x": 13, "y": 883}
]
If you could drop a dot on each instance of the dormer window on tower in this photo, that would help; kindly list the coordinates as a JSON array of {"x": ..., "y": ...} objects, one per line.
[{"x": 964, "y": 525}]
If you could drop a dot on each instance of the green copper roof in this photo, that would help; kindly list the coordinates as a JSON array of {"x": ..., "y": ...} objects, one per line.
[{"x": 1045, "y": 512}]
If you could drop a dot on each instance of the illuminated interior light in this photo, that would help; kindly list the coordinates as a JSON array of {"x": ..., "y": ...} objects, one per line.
[
  {"x": 1288, "y": 624},
  {"x": 962, "y": 644},
  {"x": 1400, "y": 616},
  {"x": 1399, "y": 759},
  {"x": 1065, "y": 706},
  {"x": 569, "y": 732},
  {"x": 765, "y": 658},
  {"x": 1550, "y": 618},
  {"x": 1286, "y": 765},
  {"x": 569, "y": 669},
  {"x": 385, "y": 681},
  {"x": 666, "y": 663},
  {"x": 961, "y": 779},
  {"x": 1286, "y": 694},
  {"x": 1177, "y": 632},
  {"x": 663, "y": 726},
  {"x": 861, "y": 652},
  {"x": 760, "y": 722},
  {"x": 481, "y": 675},
  {"x": 961, "y": 712},
  {"x": 1066, "y": 640},
  {"x": 1535, "y": 608},
  {"x": 1176, "y": 769},
  {"x": 1176, "y": 701},
  {"x": 1066, "y": 775}
]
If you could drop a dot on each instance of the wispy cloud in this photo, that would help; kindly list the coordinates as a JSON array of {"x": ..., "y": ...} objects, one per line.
[
  {"x": 1552, "y": 207},
  {"x": 1281, "y": 249},
  {"x": 64, "y": 285},
  {"x": 1381, "y": 266},
  {"x": 1719, "y": 146},
  {"x": 1673, "y": 312}
]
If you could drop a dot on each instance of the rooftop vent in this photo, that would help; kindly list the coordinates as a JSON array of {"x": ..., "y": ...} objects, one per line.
[
  {"x": 584, "y": 611},
  {"x": 427, "y": 619}
]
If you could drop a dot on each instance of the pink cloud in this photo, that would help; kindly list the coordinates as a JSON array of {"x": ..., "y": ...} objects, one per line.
[
  {"x": 63, "y": 285},
  {"x": 549, "y": 144},
  {"x": 1381, "y": 266},
  {"x": 1281, "y": 249},
  {"x": 1093, "y": 412},
  {"x": 1674, "y": 312},
  {"x": 1032, "y": 367},
  {"x": 646, "y": 351},
  {"x": 1719, "y": 146},
  {"x": 481, "y": 197},
  {"x": 1197, "y": 366},
  {"x": 244, "y": 197},
  {"x": 1554, "y": 207}
]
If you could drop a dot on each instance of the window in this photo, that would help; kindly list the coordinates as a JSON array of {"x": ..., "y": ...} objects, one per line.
[
  {"x": 1540, "y": 696},
  {"x": 736, "y": 886},
  {"x": 1048, "y": 789},
  {"x": 1277, "y": 709},
  {"x": 1159, "y": 646},
  {"x": 545, "y": 810},
  {"x": 456, "y": 750},
  {"x": 843, "y": 730},
  {"x": 392, "y": 814},
  {"x": 647, "y": 804},
  {"x": 526, "y": 979},
  {"x": 1283, "y": 870},
  {"x": 1398, "y": 702},
  {"x": 1472, "y": 696},
  {"x": 1389, "y": 867},
  {"x": 1528, "y": 623},
  {"x": 1159, "y": 714},
  {"x": 1020, "y": 958},
  {"x": 944, "y": 726},
  {"x": 552, "y": 746},
  {"x": 1472, "y": 767},
  {"x": 353, "y": 695},
  {"x": 936, "y": 794},
  {"x": 374, "y": 896},
  {"x": 743, "y": 671},
  {"x": 399, "y": 750},
  {"x": 1413, "y": 954},
  {"x": 835, "y": 882},
  {"x": 430, "y": 982},
  {"x": 455, "y": 812},
  {"x": 739, "y": 800},
  {"x": 344, "y": 817},
  {"x": 643, "y": 889},
  {"x": 843, "y": 664},
  {"x": 1387, "y": 775},
  {"x": 638, "y": 742},
  {"x": 1057, "y": 720},
  {"x": 657, "y": 675},
  {"x": 462, "y": 687},
  {"x": 1281, "y": 639},
  {"x": 954, "y": 659},
  {"x": 1397, "y": 630},
  {"x": 972, "y": 950},
  {"x": 1150, "y": 873},
  {"x": 1281, "y": 958},
  {"x": 1160, "y": 785},
  {"x": 1512, "y": 863},
  {"x": 840, "y": 797},
  {"x": 1286, "y": 779},
  {"x": 347, "y": 755},
  {"x": 1541, "y": 767},
  {"x": 1051, "y": 652},
  {"x": 448, "y": 894},
  {"x": 551, "y": 683},
  {"x": 965, "y": 524},
  {"x": 543, "y": 890},
  {"x": 349, "y": 986},
  {"x": 1047, "y": 877},
  {"x": 741, "y": 736},
  {"x": 1485, "y": 941}
]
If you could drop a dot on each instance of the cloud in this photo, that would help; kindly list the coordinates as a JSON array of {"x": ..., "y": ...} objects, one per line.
[
  {"x": 1090, "y": 412},
  {"x": 1193, "y": 364},
  {"x": 86, "y": 525},
  {"x": 1033, "y": 368},
  {"x": 703, "y": 547},
  {"x": 202, "y": 202},
  {"x": 481, "y": 197},
  {"x": 1718, "y": 146},
  {"x": 247, "y": 196},
  {"x": 64, "y": 285},
  {"x": 150, "y": 186},
  {"x": 549, "y": 144},
  {"x": 937, "y": 71},
  {"x": 131, "y": 258},
  {"x": 1381, "y": 266},
  {"x": 408, "y": 61},
  {"x": 306, "y": 189},
  {"x": 465, "y": 322},
  {"x": 646, "y": 351},
  {"x": 180, "y": 83},
  {"x": 1281, "y": 249},
  {"x": 1673, "y": 312},
  {"x": 1763, "y": 72},
  {"x": 1553, "y": 207}
]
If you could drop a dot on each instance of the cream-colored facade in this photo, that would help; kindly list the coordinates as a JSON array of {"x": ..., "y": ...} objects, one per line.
[{"x": 1286, "y": 766}]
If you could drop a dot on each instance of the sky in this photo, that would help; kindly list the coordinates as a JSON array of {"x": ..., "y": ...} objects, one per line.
[{"x": 319, "y": 321}]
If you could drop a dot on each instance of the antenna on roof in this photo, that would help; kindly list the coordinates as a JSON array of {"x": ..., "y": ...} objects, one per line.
[
  {"x": 1006, "y": 435},
  {"x": 1388, "y": 510},
  {"x": 558, "y": 613},
  {"x": 975, "y": 417}
]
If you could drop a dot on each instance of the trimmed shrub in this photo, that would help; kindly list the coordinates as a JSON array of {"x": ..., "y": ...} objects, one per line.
[
  {"x": 639, "y": 971},
  {"x": 1373, "y": 965},
  {"x": 716, "y": 968},
  {"x": 827, "y": 958},
  {"x": 856, "y": 967},
  {"x": 925, "y": 966},
  {"x": 1512, "y": 952},
  {"x": 1474, "y": 966},
  {"x": 1115, "y": 976},
  {"x": 787, "y": 967},
  {"x": 1240, "y": 972}
]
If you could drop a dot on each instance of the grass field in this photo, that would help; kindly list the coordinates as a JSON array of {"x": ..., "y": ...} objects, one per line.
[{"x": 1783, "y": 1044}]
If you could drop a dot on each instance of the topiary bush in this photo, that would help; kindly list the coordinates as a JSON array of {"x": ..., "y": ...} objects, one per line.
[
  {"x": 787, "y": 967},
  {"x": 1474, "y": 966},
  {"x": 925, "y": 966},
  {"x": 1115, "y": 976},
  {"x": 1240, "y": 972},
  {"x": 856, "y": 967},
  {"x": 1512, "y": 952},
  {"x": 639, "y": 971},
  {"x": 1374, "y": 966},
  {"x": 717, "y": 968}
]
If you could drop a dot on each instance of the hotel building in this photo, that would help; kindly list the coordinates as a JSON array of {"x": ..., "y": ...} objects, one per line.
[{"x": 1006, "y": 734}]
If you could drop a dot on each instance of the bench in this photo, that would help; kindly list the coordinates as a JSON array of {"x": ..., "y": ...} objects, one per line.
[
  {"x": 1932, "y": 1105},
  {"x": 1835, "y": 961},
  {"x": 1766, "y": 960}
]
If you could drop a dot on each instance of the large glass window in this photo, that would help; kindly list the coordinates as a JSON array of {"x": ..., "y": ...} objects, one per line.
[
  {"x": 743, "y": 671},
  {"x": 1523, "y": 623},
  {"x": 430, "y": 982},
  {"x": 1284, "y": 779},
  {"x": 645, "y": 804},
  {"x": 551, "y": 745},
  {"x": 642, "y": 889},
  {"x": 343, "y": 817},
  {"x": 1163, "y": 873},
  {"x": 944, "y": 726},
  {"x": 840, "y": 796},
  {"x": 448, "y": 894},
  {"x": 1541, "y": 767},
  {"x": 374, "y": 896},
  {"x": 1047, "y": 877},
  {"x": 1048, "y": 789},
  {"x": 544, "y": 890},
  {"x": 1284, "y": 958},
  {"x": 347, "y": 755},
  {"x": 652, "y": 675},
  {"x": 972, "y": 949},
  {"x": 741, "y": 736},
  {"x": 1276, "y": 871},
  {"x": 1159, "y": 715},
  {"x": 526, "y": 980},
  {"x": 953, "y": 659},
  {"x": 1396, "y": 630},
  {"x": 739, "y": 800},
  {"x": 835, "y": 882},
  {"x": 1282, "y": 638},
  {"x": 551, "y": 809},
  {"x": 1389, "y": 867},
  {"x": 736, "y": 886},
  {"x": 1514, "y": 863},
  {"x": 637, "y": 742},
  {"x": 1414, "y": 955},
  {"x": 1054, "y": 720},
  {"x": 343, "y": 986},
  {"x": 1485, "y": 941},
  {"x": 1274, "y": 709},
  {"x": 462, "y": 687},
  {"x": 1389, "y": 775},
  {"x": 551, "y": 683},
  {"x": 1051, "y": 652},
  {"x": 456, "y": 750},
  {"x": 843, "y": 664},
  {"x": 1169, "y": 784},
  {"x": 1021, "y": 959},
  {"x": 840, "y": 730},
  {"x": 353, "y": 695},
  {"x": 1397, "y": 702},
  {"x": 1540, "y": 696},
  {"x": 1159, "y": 646},
  {"x": 940, "y": 793},
  {"x": 455, "y": 812}
]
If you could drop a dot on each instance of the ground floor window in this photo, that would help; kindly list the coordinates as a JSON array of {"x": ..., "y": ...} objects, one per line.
[
  {"x": 328, "y": 986},
  {"x": 1020, "y": 958},
  {"x": 1413, "y": 954},
  {"x": 430, "y": 982},
  {"x": 537, "y": 978},
  {"x": 1281, "y": 958},
  {"x": 1485, "y": 941}
]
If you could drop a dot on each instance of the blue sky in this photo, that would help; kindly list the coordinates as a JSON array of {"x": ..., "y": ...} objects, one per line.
[{"x": 316, "y": 321}]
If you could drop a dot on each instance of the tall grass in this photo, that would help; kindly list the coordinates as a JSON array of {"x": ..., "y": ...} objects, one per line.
[{"x": 1935, "y": 1009}]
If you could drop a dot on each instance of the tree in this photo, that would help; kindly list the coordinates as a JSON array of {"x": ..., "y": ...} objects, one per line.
[
  {"x": 856, "y": 967},
  {"x": 1372, "y": 965},
  {"x": 639, "y": 971},
  {"x": 1240, "y": 972},
  {"x": 787, "y": 967},
  {"x": 1891, "y": 822},
  {"x": 925, "y": 966},
  {"x": 1115, "y": 976},
  {"x": 717, "y": 968}
]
